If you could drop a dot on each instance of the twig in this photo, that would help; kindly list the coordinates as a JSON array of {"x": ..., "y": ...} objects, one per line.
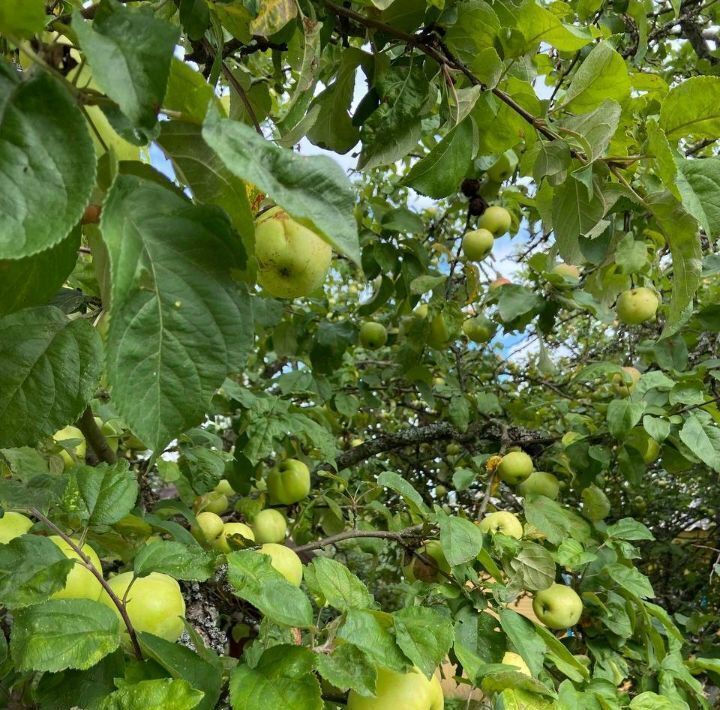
[
  {"x": 398, "y": 536},
  {"x": 95, "y": 437},
  {"x": 227, "y": 73}
]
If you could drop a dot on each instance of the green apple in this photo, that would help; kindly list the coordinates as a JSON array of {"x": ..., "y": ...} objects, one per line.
[
  {"x": 477, "y": 244},
  {"x": 292, "y": 259},
  {"x": 624, "y": 384},
  {"x": 213, "y": 502},
  {"x": 269, "y": 525},
  {"x": 372, "y": 335},
  {"x": 288, "y": 482},
  {"x": 502, "y": 522},
  {"x": 637, "y": 306},
  {"x": 438, "y": 334},
  {"x": 13, "y": 525},
  {"x": 596, "y": 505},
  {"x": 225, "y": 488},
  {"x": 569, "y": 272},
  {"x": 74, "y": 446},
  {"x": 400, "y": 691},
  {"x": 540, "y": 483},
  {"x": 503, "y": 167},
  {"x": 641, "y": 441},
  {"x": 558, "y": 607},
  {"x": 418, "y": 569},
  {"x": 515, "y": 659},
  {"x": 222, "y": 542},
  {"x": 479, "y": 329},
  {"x": 209, "y": 527},
  {"x": 440, "y": 491},
  {"x": 110, "y": 432},
  {"x": 285, "y": 561},
  {"x": 496, "y": 220},
  {"x": 515, "y": 467},
  {"x": 80, "y": 583},
  {"x": 154, "y": 603}
]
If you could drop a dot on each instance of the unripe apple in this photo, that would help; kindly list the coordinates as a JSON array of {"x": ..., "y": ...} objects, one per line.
[
  {"x": 372, "y": 335},
  {"x": 222, "y": 543},
  {"x": 418, "y": 569},
  {"x": 503, "y": 167},
  {"x": 269, "y": 525},
  {"x": 540, "y": 483},
  {"x": 76, "y": 445},
  {"x": 213, "y": 502},
  {"x": 570, "y": 274},
  {"x": 515, "y": 467},
  {"x": 496, "y": 220},
  {"x": 438, "y": 335},
  {"x": 440, "y": 491},
  {"x": 596, "y": 505},
  {"x": 624, "y": 384},
  {"x": 400, "y": 691},
  {"x": 110, "y": 432},
  {"x": 515, "y": 659},
  {"x": 292, "y": 259},
  {"x": 479, "y": 329},
  {"x": 154, "y": 603},
  {"x": 285, "y": 561},
  {"x": 476, "y": 245},
  {"x": 641, "y": 441},
  {"x": 558, "y": 607},
  {"x": 209, "y": 527},
  {"x": 80, "y": 583},
  {"x": 637, "y": 305},
  {"x": 288, "y": 482},
  {"x": 502, "y": 522},
  {"x": 13, "y": 525},
  {"x": 225, "y": 488}
]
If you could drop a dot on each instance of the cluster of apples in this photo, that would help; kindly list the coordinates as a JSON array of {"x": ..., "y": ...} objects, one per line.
[{"x": 493, "y": 222}]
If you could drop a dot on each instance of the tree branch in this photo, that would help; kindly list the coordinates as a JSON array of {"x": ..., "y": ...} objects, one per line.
[
  {"x": 398, "y": 536},
  {"x": 95, "y": 437}
]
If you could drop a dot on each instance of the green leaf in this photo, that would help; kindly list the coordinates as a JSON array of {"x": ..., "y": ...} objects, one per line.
[
  {"x": 34, "y": 280},
  {"x": 515, "y": 301},
  {"x": 370, "y": 632},
  {"x": 623, "y": 415},
  {"x": 572, "y": 555},
  {"x": 347, "y": 667},
  {"x": 102, "y": 494},
  {"x": 398, "y": 484},
  {"x": 524, "y": 638},
  {"x": 440, "y": 173},
  {"x": 63, "y": 633},
  {"x": 534, "y": 565},
  {"x": 702, "y": 438},
  {"x": 538, "y": 24},
  {"x": 49, "y": 367},
  {"x": 461, "y": 540},
  {"x": 313, "y": 190},
  {"x": 692, "y": 108},
  {"x": 170, "y": 265},
  {"x": 631, "y": 255},
  {"x": 629, "y": 529},
  {"x": 631, "y": 580},
  {"x": 560, "y": 655},
  {"x": 22, "y": 18},
  {"x": 31, "y": 569},
  {"x": 339, "y": 586},
  {"x": 47, "y": 163},
  {"x": 602, "y": 76},
  {"x": 273, "y": 16},
  {"x": 173, "y": 558},
  {"x": 596, "y": 128},
  {"x": 187, "y": 93},
  {"x": 425, "y": 636},
  {"x": 554, "y": 521},
  {"x": 180, "y": 662},
  {"x": 129, "y": 51},
  {"x": 253, "y": 578},
  {"x": 699, "y": 185},
  {"x": 475, "y": 29},
  {"x": 205, "y": 174},
  {"x": 651, "y": 701},
  {"x": 157, "y": 694}
]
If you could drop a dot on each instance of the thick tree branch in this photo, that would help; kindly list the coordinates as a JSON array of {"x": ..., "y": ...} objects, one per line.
[
  {"x": 94, "y": 436},
  {"x": 398, "y": 536}
]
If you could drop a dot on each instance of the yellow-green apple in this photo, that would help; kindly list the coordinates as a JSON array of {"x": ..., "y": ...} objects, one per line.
[
  {"x": 224, "y": 487},
  {"x": 477, "y": 244},
  {"x": 496, "y": 220},
  {"x": 438, "y": 334},
  {"x": 213, "y": 502},
  {"x": 13, "y": 525},
  {"x": 292, "y": 259},
  {"x": 154, "y": 603},
  {"x": 596, "y": 505},
  {"x": 400, "y": 691},
  {"x": 222, "y": 543},
  {"x": 624, "y": 383},
  {"x": 288, "y": 482},
  {"x": 558, "y": 606},
  {"x": 440, "y": 490},
  {"x": 502, "y": 522},
  {"x": 80, "y": 583},
  {"x": 540, "y": 483},
  {"x": 515, "y": 467},
  {"x": 372, "y": 335},
  {"x": 418, "y": 569},
  {"x": 73, "y": 445},
  {"x": 637, "y": 305},
  {"x": 503, "y": 167},
  {"x": 208, "y": 527},
  {"x": 515, "y": 659},
  {"x": 569, "y": 272},
  {"x": 479, "y": 329},
  {"x": 641, "y": 441},
  {"x": 285, "y": 561},
  {"x": 269, "y": 525}
]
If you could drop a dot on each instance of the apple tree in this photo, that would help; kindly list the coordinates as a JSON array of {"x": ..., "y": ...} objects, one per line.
[{"x": 359, "y": 354}]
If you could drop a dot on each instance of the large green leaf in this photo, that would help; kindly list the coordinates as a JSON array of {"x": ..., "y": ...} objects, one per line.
[
  {"x": 371, "y": 632},
  {"x": 461, "y": 540},
  {"x": 49, "y": 367},
  {"x": 538, "y": 24},
  {"x": 189, "y": 562},
  {"x": 602, "y": 76},
  {"x": 157, "y": 694},
  {"x": 630, "y": 579},
  {"x": 178, "y": 323},
  {"x": 701, "y": 435},
  {"x": 339, "y": 586},
  {"x": 692, "y": 109},
  {"x": 699, "y": 186},
  {"x": 47, "y": 163},
  {"x": 425, "y": 636},
  {"x": 129, "y": 51},
  {"x": 524, "y": 638},
  {"x": 22, "y": 18},
  {"x": 314, "y": 190},
  {"x": 348, "y": 667}
]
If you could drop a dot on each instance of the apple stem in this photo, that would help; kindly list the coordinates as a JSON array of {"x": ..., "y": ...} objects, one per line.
[{"x": 87, "y": 563}]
